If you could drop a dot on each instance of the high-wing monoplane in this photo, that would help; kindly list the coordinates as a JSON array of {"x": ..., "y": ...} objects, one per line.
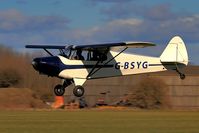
[{"x": 78, "y": 63}]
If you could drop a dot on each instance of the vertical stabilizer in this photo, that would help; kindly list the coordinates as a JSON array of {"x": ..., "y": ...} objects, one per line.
[{"x": 175, "y": 52}]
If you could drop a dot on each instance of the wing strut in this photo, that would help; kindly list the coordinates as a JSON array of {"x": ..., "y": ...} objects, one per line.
[
  {"x": 48, "y": 52},
  {"x": 92, "y": 70}
]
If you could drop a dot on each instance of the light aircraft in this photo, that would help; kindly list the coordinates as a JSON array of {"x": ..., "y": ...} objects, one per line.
[{"x": 78, "y": 63}]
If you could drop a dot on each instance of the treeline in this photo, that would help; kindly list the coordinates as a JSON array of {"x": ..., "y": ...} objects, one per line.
[{"x": 16, "y": 71}]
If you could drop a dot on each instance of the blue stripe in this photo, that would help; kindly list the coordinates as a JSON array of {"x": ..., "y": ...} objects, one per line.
[
  {"x": 155, "y": 64},
  {"x": 165, "y": 64},
  {"x": 63, "y": 66}
]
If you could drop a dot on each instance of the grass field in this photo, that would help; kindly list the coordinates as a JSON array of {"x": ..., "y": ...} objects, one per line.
[{"x": 89, "y": 121}]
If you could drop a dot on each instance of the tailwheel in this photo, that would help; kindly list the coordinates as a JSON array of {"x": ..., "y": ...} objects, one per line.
[
  {"x": 78, "y": 91},
  {"x": 182, "y": 76},
  {"x": 59, "y": 90}
]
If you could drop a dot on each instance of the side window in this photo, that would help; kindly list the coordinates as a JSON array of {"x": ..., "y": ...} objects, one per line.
[
  {"x": 98, "y": 55},
  {"x": 78, "y": 55},
  {"x": 89, "y": 55}
]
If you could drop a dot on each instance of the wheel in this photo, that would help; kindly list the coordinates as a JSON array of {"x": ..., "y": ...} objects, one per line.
[
  {"x": 59, "y": 90},
  {"x": 78, "y": 91},
  {"x": 182, "y": 76}
]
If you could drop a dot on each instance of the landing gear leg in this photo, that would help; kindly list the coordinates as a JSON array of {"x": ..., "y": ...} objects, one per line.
[
  {"x": 59, "y": 89},
  {"x": 182, "y": 75}
]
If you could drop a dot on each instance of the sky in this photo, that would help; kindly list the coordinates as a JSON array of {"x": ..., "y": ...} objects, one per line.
[{"x": 77, "y": 22}]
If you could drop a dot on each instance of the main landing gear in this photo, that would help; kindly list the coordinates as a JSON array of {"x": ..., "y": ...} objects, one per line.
[
  {"x": 59, "y": 89},
  {"x": 78, "y": 91}
]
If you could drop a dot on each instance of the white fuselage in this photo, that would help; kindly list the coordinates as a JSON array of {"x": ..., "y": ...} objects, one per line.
[{"x": 122, "y": 64}]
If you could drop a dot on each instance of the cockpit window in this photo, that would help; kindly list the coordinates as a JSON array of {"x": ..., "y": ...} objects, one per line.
[{"x": 88, "y": 55}]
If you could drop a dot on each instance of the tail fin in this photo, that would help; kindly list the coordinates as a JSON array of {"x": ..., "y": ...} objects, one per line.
[{"x": 175, "y": 52}]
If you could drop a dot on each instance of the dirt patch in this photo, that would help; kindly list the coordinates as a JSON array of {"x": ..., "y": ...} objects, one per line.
[{"x": 19, "y": 98}]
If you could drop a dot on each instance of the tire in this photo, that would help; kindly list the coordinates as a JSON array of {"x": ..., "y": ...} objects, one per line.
[
  {"x": 59, "y": 90},
  {"x": 78, "y": 91},
  {"x": 182, "y": 76}
]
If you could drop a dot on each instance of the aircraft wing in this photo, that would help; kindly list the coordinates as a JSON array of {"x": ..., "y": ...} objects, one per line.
[
  {"x": 95, "y": 46},
  {"x": 46, "y": 46},
  {"x": 114, "y": 45}
]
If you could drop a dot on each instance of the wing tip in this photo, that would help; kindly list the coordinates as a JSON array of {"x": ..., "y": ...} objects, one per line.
[
  {"x": 143, "y": 44},
  {"x": 46, "y": 46}
]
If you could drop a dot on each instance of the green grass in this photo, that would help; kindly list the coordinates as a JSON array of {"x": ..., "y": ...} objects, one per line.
[{"x": 99, "y": 122}]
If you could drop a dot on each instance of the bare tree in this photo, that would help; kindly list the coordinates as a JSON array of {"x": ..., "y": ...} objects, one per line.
[{"x": 149, "y": 93}]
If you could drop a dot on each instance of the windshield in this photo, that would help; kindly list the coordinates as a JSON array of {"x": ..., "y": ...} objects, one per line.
[{"x": 65, "y": 52}]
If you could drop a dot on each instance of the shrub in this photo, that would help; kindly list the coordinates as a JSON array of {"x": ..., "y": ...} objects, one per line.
[
  {"x": 149, "y": 93},
  {"x": 9, "y": 78}
]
